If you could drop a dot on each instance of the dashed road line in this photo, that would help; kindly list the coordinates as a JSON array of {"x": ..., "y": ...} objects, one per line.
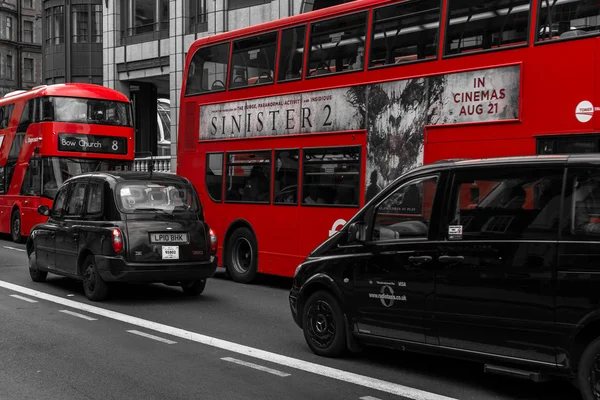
[
  {"x": 79, "y": 315},
  {"x": 147, "y": 335},
  {"x": 256, "y": 366},
  {"x": 14, "y": 248},
  {"x": 16, "y": 296},
  {"x": 289, "y": 362}
]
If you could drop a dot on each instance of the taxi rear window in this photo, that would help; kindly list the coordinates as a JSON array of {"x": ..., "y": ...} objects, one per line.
[{"x": 167, "y": 197}]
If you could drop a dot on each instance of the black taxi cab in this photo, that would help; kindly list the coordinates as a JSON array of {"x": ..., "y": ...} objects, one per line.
[
  {"x": 496, "y": 260},
  {"x": 124, "y": 227}
]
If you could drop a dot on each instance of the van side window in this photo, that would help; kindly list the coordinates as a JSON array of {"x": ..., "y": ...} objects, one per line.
[
  {"x": 406, "y": 213},
  {"x": 507, "y": 204},
  {"x": 583, "y": 200}
]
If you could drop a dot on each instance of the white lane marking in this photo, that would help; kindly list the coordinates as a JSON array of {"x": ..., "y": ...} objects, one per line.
[
  {"x": 255, "y": 366},
  {"x": 78, "y": 315},
  {"x": 369, "y": 398},
  {"x": 16, "y": 296},
  {"x": 14, "y": 248},
  {"x": 333, "y": 373},
  {"x": 147, "y": 335}
]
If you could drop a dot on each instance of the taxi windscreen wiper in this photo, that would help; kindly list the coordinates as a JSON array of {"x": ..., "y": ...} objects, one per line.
[{"x": 159, "y": 211}]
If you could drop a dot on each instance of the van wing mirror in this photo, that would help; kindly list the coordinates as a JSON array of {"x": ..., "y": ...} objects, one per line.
[
  {"x": 357, "y": 232},
  {"x": 44, "y": 210}
]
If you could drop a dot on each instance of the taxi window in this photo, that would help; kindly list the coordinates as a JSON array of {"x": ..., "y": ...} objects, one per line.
[{"x": 168, "y": 197}]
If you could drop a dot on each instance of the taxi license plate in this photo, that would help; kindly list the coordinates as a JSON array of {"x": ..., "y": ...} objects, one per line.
[
  {"x": 169, "y": 238},
  {"x": 170, "y": 252}
]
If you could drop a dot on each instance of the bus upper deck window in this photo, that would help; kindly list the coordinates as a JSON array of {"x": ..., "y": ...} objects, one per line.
[
  {"x": 474, "y": 25},
  {"x": 253, "y": 61},
  {"x": 405, "y": 32},
  {"x": 337, "y": 45},
  {"x": 291, "y": 56},
  {"x": 207, "y": 71},
  {"x": 563, "y": 20}
]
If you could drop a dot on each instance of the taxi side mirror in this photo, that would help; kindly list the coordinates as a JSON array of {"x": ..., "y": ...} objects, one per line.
[
  {"x": 44, "y": 210},
  {"x": 357, "y": 232}
]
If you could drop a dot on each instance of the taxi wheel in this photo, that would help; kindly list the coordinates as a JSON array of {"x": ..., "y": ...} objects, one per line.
[
  {"x": 15, "y": 227},
  {"x": 36, "y": 274},
  {"x": 94, "y": 287},
  {"x": 323, "y": 325},
  {"x": 588, "y": 373},
  {"x": 242, "y": 256},
  {"x": 194, "y": 288}
]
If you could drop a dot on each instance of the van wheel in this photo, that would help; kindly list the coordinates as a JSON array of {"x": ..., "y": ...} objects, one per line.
[
  {"x": 36, "y": 274},
  {"x": 15, "y": 227},
  {"x": 242, "y": 256},
  {"x": 194, "y": 288},
  {"x": 94, "y": 287},
  {"x": 588, "y": 374},
  {"x": 323, "y": 325}
]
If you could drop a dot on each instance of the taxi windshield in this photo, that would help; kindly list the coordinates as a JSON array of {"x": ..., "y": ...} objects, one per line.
[{"x": 156, "y": 197}]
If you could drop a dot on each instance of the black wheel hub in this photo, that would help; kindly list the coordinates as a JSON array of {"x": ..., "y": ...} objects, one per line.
[
  {"x": 242, "y": 256},
  {"x": 321, "y": 324},
  {"x": 16, "y": 225}
]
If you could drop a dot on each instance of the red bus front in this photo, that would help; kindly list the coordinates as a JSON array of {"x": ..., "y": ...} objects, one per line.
[{"x": 53, "y": 133}]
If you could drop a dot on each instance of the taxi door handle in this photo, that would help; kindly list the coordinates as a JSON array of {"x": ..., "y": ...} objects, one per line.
[
  {"x": 450, "y": 259},
  {"x": 419, "y": 259}
]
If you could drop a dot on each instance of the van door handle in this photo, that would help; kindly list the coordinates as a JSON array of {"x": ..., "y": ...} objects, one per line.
[
  {"x": 419, "y": 259},
  {"x": 449, "y": 259}
]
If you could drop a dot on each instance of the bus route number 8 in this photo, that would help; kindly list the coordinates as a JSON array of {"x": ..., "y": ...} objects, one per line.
[{"x": 115, "y": 145}]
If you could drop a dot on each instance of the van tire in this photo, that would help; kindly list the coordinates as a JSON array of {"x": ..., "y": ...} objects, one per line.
[
  {"x": 94, "y": 287},
  {"x": 587, "y": 378},
  {"x": 323, "y": 325},
  {"x": 241, "y": 257},
  {"x": 15, "y": 226},
  {"x": 35, "y": 273}
]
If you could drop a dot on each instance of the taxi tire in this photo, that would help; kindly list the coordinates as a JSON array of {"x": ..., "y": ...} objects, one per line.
[
  {"x": 337, "y": 346},
  {"x": 35, "y": 273},
  {"x": 590, "y": 356},
  {"x": 245, "y": 235},
  {"x": 100, "y": 288},
  {"x": 194, "y": 288},
  {"x": 15, "y": 236}
]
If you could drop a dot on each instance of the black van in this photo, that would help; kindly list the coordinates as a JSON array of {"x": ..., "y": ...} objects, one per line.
[
  {"x": 124, "y": 227},
  {"x": 494, "y": 260}
]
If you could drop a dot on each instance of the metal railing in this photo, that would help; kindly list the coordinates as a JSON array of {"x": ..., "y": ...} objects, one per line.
[{"x": 161, "y": 164}]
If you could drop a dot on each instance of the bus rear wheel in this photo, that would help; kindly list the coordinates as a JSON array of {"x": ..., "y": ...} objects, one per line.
[
  {"x": 241, "y": 257},
  {"x": 15, "y": 227}
]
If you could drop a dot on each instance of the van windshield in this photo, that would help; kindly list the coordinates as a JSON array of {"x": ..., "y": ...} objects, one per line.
[{"x": 156, "y": 196}]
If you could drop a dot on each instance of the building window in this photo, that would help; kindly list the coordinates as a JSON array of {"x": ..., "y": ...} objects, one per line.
[
  {"x": 28, "y": 31},
  {"x": 80, "y": 23},
  {"x": 28, "y": 69},
  {"x": 97, "y": 24},
  {"x": 197, "y": 15},
  {"x": 9, "y": 67},
  {"x": 55, "y": 25},
  {"x": 28, "y": 4},
  {"x": 144, "y": 16},
  {"x": 9, "y": 35}
]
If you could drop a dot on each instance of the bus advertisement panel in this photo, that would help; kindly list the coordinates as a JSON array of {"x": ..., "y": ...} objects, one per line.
[
  {"x": 51, "y": 133},
  {"x": 324, "y": 109}
]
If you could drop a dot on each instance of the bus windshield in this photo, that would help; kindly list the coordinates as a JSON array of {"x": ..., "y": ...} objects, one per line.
[
  {"x": 89, "y": 111},
  {"x": 56, "y": 170}
]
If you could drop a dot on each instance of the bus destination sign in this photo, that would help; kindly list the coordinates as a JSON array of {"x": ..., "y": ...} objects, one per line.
[{"x": 92, "y": 144}]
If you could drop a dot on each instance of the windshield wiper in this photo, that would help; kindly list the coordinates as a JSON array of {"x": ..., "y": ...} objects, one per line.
[{"x": 159, "y": 211}]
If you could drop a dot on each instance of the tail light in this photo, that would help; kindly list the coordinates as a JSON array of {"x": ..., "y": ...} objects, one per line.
[
  {"x": 117, "y": 240},
  {"x": 214, "y": 242}
]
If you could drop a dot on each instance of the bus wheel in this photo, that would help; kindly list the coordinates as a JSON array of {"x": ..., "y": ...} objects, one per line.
[
  {"x": 242, "y": 256},
  {"x": 15, "y": 227},
  {"x": 323, "y": 325}
]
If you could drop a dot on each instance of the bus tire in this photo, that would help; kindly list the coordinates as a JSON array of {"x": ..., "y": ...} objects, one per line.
[
  {"x": 242, "y": 256},
  {"x": 15, "y": 226}
]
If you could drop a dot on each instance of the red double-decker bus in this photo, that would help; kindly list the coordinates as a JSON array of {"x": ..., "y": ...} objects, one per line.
[
  {"x": 288, "y": 127},
  {"x": 51, "y": 133}
]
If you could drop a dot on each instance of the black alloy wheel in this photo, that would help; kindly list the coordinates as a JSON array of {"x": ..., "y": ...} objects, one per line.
[
  {"x": 323, "y": 325},
  {"x": 94, "y": 287},
  {"x": 588, "y": 374},
  {"x": 35, "y": 273},
  {"x": 241, "y": 256},
  {"x": 15, "y": 227},
  {"x": 194, "y": 288}
]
